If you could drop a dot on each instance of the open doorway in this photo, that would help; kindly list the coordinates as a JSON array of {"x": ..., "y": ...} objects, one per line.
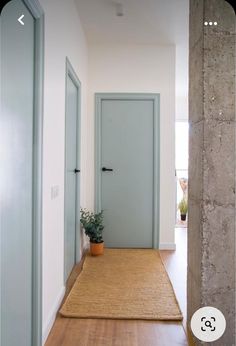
[{"x": 181, "y": 169}]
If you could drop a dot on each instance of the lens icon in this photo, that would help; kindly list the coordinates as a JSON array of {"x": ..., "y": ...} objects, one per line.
[{"x": 208, "y": 324}]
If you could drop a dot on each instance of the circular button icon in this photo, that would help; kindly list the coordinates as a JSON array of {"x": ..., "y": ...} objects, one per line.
[{"x": 208, "y": 324}]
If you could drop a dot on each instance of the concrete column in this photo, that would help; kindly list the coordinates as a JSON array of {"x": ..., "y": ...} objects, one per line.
[{"x": 211, "y": 233}]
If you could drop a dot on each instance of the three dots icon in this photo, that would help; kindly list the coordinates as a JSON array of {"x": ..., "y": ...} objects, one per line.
[{"x": 210, "y": 23}]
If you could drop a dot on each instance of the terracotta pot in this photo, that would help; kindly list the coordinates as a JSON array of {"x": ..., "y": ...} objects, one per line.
[
  {"x": 183, "y": 217},
  {"x": 96, "y": 249}
]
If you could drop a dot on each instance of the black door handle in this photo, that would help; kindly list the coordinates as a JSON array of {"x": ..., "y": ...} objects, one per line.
[
  {"x": 76, "y": 170},
  {"x": 104, "y": 169}
]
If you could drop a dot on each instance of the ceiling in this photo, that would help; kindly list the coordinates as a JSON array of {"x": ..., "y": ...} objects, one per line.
[{"x": 144, "y": 21}]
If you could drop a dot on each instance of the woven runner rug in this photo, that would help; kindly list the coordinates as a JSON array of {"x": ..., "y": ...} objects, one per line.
[{"x": 123, "y": 284}]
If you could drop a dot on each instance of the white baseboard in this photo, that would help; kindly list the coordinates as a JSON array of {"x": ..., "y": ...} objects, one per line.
[
  {"x": 52, "y": 316},
  {"x": 167, "y": 246}
]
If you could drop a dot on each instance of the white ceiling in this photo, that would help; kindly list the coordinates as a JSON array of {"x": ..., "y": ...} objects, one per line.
[{"x": 144, "y": 21}]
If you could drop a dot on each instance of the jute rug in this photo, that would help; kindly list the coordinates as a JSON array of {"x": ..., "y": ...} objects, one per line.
[{"x": 123, "y": 284}]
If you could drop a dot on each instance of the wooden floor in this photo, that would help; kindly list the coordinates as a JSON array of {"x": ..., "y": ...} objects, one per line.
[{"x": 98, "y": 332}]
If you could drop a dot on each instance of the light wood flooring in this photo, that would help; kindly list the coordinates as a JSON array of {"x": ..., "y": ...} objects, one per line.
[{"x": 101, "y": 332}]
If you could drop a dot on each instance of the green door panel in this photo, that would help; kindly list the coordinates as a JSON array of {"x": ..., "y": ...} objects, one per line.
[
  {"x": 16, "y": 176},
  {"x": 72, "y": 179},
  {"x": 127, "y": 192}
]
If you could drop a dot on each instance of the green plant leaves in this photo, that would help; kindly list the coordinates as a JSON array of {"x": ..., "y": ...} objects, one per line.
[
  {"x": 183, "y": 206},
  {"x": 93, "y": 225}
]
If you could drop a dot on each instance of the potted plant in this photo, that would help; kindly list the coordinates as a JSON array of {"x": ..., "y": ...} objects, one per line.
[
  {"x": 93, "y": 227},
  {"x": 183, "y": 208}
]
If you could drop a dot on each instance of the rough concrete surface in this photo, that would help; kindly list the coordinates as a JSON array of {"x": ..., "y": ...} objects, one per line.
[{"x": 211, "y": 243}]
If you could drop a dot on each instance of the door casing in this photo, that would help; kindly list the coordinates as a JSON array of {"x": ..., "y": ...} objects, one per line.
[
  {"x": 99, "y": 97},
  {"x": 70, "y": 72},
  {"x": 38, "y": 13}
]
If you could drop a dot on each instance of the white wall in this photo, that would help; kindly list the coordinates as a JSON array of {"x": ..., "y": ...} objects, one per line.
[
  {"x": 181, "y": 65},
  {"x": 142, "y": 68},
  {"x": 181, "y": 82},
  {"x": 63, "y": 37}
]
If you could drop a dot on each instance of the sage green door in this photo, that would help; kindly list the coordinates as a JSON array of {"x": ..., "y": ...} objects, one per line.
[
  {"x": 72, "y": 170},
  {"x": 16, "y": 173},
  {"x": 127, "y": 153}
]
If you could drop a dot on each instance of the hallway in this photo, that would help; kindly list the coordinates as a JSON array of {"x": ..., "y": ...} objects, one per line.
[
  {"x": 86, "y": 332},
  {"x": 91, "y": 95}
]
